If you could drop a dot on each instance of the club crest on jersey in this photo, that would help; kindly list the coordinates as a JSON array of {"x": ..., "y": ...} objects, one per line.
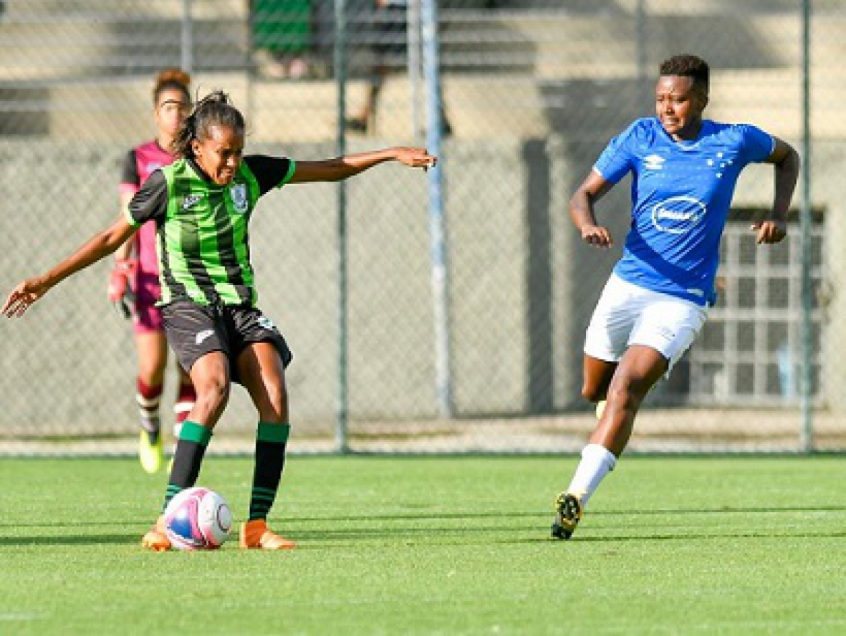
[
  {"x": 238, "y": 192},
  {"x": 677, "y": 215}
]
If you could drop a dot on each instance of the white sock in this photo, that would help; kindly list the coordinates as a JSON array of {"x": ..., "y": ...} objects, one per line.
[{"x": 597, "y": 461}]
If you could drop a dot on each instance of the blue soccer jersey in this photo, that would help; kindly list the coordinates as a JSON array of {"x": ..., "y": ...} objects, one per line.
[{"x": 681, "y": 194}]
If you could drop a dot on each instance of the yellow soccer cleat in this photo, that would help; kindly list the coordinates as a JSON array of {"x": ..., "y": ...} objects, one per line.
[
  {"x": 256, "y": 535},
  {"x": 155, "y": 538},
  {"x": 568, "y": 512},
  {"x": 150, "y": 451}
]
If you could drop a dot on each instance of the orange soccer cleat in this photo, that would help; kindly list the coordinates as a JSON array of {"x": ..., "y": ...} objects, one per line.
[
  {"x": 256, "y": 535},
  {"x": 155, "y": 538}
]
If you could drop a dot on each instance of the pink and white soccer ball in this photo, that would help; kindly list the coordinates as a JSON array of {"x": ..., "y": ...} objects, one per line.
[{"x": 197, "y": 519}]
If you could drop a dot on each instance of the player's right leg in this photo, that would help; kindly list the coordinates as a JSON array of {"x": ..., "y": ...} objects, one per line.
[
  {"x": 605, "y": 343},
  {"x": 210, "y": 375}
]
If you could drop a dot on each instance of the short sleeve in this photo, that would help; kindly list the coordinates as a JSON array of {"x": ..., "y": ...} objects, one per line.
[
  {"x": 150, "y": 202},
  {"x": 757, "y": 145},
  {"x": 130, "y": 179},
  {"x": 616, "y": 161},
  {"x": 270, "y": 172}
]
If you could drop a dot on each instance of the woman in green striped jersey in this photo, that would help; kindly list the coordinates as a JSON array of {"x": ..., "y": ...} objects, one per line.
[{"x": 202, "y": 204}]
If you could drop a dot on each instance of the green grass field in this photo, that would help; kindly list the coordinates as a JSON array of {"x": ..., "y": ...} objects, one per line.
[{"x": 670, "y": 545}]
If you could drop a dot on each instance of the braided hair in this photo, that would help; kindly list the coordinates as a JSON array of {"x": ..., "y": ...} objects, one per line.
[{"x": 215, "y": 109}]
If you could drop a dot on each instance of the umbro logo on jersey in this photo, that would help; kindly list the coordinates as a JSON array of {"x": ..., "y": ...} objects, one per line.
[
  {"x": 204, "y": 335},
  {"x": 653, "y": 162},
  {"x": 190, "y": 201}
]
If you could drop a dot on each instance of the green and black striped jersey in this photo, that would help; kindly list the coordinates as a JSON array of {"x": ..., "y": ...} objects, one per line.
[{"x": 203, "y": 241}]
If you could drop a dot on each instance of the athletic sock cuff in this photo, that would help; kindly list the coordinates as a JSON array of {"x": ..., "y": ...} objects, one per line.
[
  {"x": 193, "y": 432},
  {"x": 274, "y": 433},
  {"x": 600, "y": 453},
  {"x": 148, "y": 391}
]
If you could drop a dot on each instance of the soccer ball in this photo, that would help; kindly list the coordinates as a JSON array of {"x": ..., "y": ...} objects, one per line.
[{"x": 197, "y": 519}]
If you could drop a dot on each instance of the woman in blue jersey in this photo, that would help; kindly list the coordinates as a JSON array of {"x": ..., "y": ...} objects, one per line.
[
  {"x": 684, "y": 170},
  {"x": 201, "y": 205}
]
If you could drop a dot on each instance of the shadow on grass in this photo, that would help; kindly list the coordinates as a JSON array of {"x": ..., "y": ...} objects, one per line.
[
  {"x": 421, "y": 516},
  {"x": 71, "y": 540},
  {"x": 439, "y": 537},
  {"x": 477, "y": 525},
  {"x": 708, "y": 536}
]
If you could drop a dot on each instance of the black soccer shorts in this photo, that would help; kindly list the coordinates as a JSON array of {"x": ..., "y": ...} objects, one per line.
[{"x": 194, "y": 330}]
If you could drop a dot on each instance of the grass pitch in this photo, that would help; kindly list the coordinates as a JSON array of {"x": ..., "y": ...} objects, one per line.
[{"x": 669, "y": 545}]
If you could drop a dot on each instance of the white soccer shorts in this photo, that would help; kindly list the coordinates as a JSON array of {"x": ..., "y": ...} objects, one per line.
[{"x": 630, "y": 315}]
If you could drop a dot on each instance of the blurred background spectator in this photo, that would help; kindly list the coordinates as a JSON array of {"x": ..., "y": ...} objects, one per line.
[{"x": 281, "y": 32}]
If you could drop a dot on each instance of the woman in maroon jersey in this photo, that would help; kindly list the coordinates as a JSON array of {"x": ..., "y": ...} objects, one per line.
[{"x": 135, "y": 275}]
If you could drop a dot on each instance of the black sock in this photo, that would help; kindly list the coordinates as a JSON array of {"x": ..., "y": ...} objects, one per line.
[
  {"x": 271, "y": 443},
  {"x": 193, "y": 440}
]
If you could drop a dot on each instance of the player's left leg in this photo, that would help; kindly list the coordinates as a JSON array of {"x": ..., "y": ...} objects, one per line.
[
  {"x": 261, "y": 371},
  {"x": 597, "y": 376}
]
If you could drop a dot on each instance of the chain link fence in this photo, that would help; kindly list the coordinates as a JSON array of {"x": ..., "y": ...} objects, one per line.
[{"x": 532, "y": 91}]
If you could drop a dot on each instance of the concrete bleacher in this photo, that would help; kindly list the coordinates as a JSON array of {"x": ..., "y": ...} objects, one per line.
[{"x": 517, "y": 68}]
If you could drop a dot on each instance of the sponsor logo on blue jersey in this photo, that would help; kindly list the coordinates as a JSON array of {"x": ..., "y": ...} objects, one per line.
[{"x": 678, "y": 215}]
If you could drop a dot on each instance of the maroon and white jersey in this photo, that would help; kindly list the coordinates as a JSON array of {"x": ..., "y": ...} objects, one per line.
[{"x": 140, "y": 163}]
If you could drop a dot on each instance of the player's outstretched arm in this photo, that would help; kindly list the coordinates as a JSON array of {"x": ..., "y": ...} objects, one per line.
[
  {"x": 786, "y": 163},
  {"x": 349, "y": 165},
  {"x": 582, "y": 214},
  {"x": 98, "y": 246}
]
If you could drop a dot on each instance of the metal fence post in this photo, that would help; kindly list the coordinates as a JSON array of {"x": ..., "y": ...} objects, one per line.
[
  {"x": 187, "y": 37},
  {"x": 340, "y": 63},
  {"x": 806, "y": 221},
  {"x": 437, "y": 224}
]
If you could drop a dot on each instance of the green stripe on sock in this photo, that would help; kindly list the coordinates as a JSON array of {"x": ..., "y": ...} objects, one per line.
[
  {"x": 193, "y": 432},
  {"x": 275, "y": 433},
  {"x": 170, "y": 493}
]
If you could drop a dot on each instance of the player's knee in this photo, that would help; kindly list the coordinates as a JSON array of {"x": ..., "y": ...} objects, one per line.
[
  {"x": 275, "y": 405},
  {"x": 212, "y": 397},
  {"x": 593, "y": 393},
  {"x": 626, "y": 394}
]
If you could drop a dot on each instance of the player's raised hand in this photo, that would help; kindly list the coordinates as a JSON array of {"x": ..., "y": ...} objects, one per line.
[
  {"x": 770, "y": 231},
  {"x": 23, "y": 296},
  {"x": 416, "y": 157},
  {"x": 596, "y": 235}
]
